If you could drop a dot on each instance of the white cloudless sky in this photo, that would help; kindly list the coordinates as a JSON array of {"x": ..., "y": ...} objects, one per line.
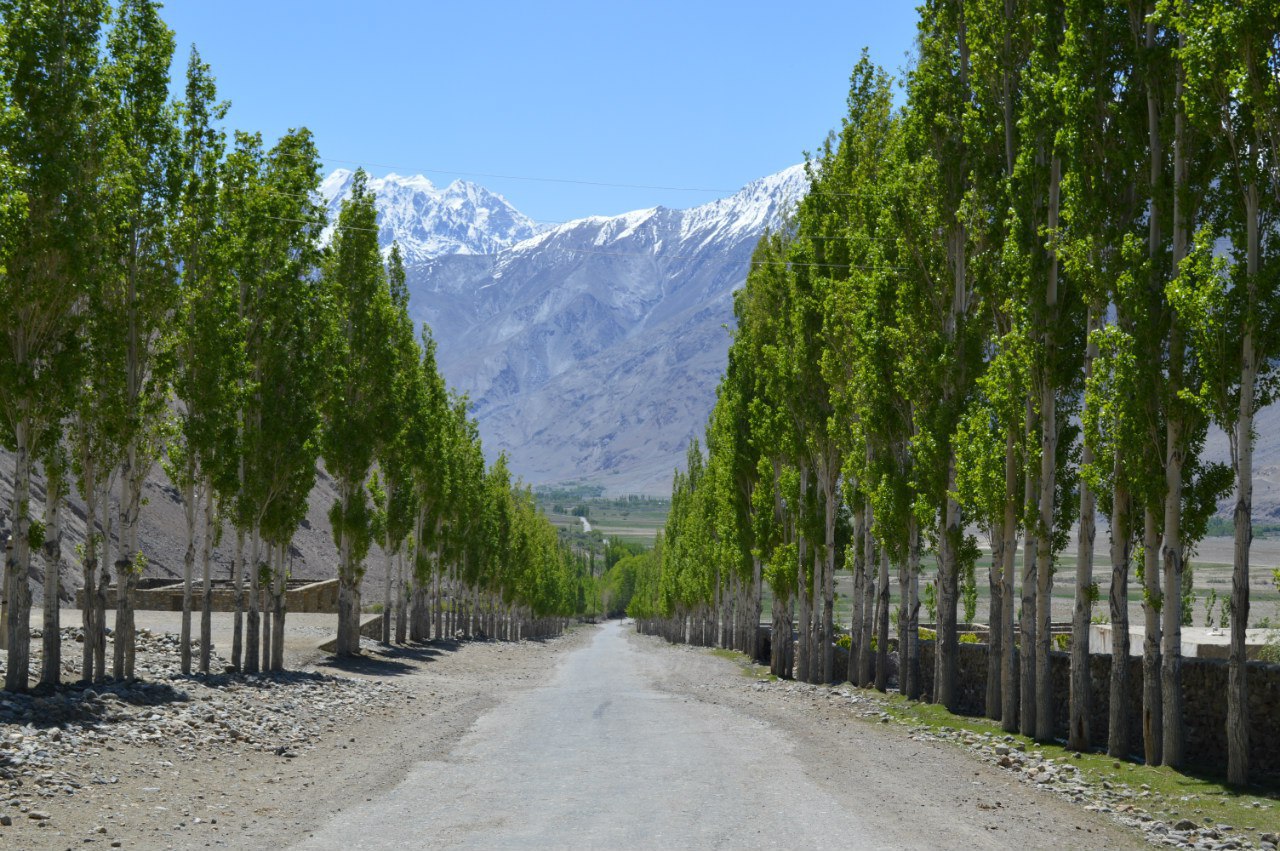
[{"x": 691, "y": 95}]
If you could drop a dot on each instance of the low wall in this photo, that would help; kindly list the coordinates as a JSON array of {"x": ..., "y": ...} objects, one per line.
[
  {"x": 312, "y": 597},
  {"x": 1204, "y": 694}
]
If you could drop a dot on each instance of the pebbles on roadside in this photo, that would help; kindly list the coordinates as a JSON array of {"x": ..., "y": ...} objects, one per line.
[
  {"x": 1122, "y": 802},
  {"x": 48, "y": 741}
]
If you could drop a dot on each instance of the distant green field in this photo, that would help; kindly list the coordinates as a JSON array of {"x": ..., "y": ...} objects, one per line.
[{"x": 635, "y": 519}]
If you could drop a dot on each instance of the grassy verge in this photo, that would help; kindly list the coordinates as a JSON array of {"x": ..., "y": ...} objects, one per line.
[
  {"x": 1161, "y": 792},
  {"x": 746, "y": 666}
]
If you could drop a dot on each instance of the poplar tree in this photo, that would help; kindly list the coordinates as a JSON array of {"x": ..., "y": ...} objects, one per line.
[
  {"x": 403, "y": 388},
  {"x": 48, "y": 61},
  {"x": 207, "y": 352},
  {"x": 1232, "y": 93},
  {"x": 288, "y": 355},
  {"x": 354, "y": 416},
  {"x": 142, "y": 186}
]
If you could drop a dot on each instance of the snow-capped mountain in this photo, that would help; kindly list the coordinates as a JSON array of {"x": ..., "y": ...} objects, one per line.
[
  {"x": 592, "y": 350},
  {"x": 461, "y": 218}
]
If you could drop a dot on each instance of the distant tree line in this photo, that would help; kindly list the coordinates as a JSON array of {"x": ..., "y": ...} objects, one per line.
[
  {"x": 1016, "y": 301},
  {"x": 167, "y": 300}
]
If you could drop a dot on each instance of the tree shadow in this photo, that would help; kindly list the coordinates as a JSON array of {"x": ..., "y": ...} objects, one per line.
[
  {"x": 395, "y": 660},
  {"x": 84, "y": 706}
]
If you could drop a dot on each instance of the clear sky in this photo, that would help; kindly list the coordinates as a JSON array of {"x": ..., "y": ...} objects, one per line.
[{"x": 684, "y": 95}]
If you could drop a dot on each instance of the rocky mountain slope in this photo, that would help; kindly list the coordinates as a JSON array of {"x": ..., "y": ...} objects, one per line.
[{"x": 592, "y": 350}]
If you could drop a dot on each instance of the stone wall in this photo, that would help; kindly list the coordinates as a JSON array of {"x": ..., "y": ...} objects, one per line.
[
  {"x": 1204, "y": 690},
  {"x": 167, "y": 597}
]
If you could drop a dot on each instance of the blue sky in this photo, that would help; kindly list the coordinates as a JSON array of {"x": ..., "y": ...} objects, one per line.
[{"x": 686, "y": 95}]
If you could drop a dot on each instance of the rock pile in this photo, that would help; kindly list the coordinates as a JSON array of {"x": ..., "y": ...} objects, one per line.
[{"x": 48, "y": 742}]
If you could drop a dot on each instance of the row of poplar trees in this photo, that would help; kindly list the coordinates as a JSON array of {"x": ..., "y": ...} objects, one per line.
[
  {"x": 167, "y": 300},
  {"x": 1014, "y": 302}
]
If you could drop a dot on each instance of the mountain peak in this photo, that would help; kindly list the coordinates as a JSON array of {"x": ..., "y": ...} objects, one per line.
[{"x": 429, "y": 222}]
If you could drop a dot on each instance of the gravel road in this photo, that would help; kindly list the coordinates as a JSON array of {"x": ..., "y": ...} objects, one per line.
[{"x": 613, "y": 751}]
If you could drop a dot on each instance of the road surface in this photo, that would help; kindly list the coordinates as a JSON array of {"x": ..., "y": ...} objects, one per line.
[{"x": 604, "y": 756}]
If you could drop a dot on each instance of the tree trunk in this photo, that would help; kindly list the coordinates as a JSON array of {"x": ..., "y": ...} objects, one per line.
[
  {"x": 237, "y": 584},
  {"x": 17, "y": 566},
  {"x": 1175, "y": 457},
  {"x": 1171, "y": 613},
  {"x": 805, "y": 627},
  {"x": 867, "y": 602},
  {"x": 100, "y": 595},
  {"x": 188, "y": 567},
  {"x": 1048, "y": 479},
  {"x": 348, "y": 644},
  {"x": 1121, "y": 543},
  {"x": 1238, "y": 682},
  {"x": 855, "y": 600},
  {"x": 1027, "y": 649},
  {"x": 206, "y": 575},
  {"x": 1008, "y": 662},
  {"x": 281, "y": 609},
  {"x": 89, "y": 568},
  {"x": 1152, "y": 713},
  {"x": 995, "y": 650},
  {"x": 252, "y": 652},
  {"x": 1078, "y": 737},
  {"x": 882, "y": 624},
  {"x": 401, "y": 602},
  {"x": 828, "y": 575},
  {"x": 909, "y": 659},
  {"x": 947, "y": 645},
  {"x": 51, "y": 669}
]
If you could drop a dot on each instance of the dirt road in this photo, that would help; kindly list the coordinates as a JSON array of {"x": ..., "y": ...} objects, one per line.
[{"x": 636, "y": 744}]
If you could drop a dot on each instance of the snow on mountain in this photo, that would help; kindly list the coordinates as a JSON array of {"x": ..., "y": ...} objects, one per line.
[
  {"x": 461, "y": 218},
  {"x": 592, "y": 349}
]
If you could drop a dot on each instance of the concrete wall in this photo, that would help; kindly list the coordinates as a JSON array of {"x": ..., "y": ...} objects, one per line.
[{"x": 1204, "y": 690}]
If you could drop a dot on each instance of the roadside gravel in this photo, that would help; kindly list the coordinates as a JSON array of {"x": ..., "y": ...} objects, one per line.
[{"x": 238, "y": 761}]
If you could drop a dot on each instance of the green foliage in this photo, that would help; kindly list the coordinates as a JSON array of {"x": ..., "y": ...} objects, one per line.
[{"x": 931, "y": 600}]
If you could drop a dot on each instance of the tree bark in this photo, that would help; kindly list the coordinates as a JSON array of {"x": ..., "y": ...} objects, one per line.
[
  {"x": 1048, "y": 479},
  {"x": 17, "y": 587},
  {"x": 909, "y": 659},
  {"x": 237, "y": 584},
  {"x": 1152, "y": 711},
  {"x": 252, "y": 651},
  {"x": 805, "y": 627},
  {"x": 868, "y": 598},
  {"x": 1238, "y": 674},
  {"x": 1078, "y": 734},
  {"x": 89, "y": 568},
  {"x": 947, "y": 644},
  {"x": 882, "y": 624},
  {"x": 206, "y": 575},
  {"x": 828, "y": 573},
  {"x": 995, "y": 649},
  {"x": 1008, "y": 664},
  {"x": 51, "y": 668},
  {"x": 1121, "y": 549},
  {"x": 348, "y": 644},
  {"x": 855, "y": 614},
  {"x": 1027, "y": 650},
  {"x": 188, "y": 567},
  {"x": 1175, "y": 458}
]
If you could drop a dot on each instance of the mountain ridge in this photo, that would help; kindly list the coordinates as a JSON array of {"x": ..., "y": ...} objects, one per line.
[{"x": 545, "y": 334}]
